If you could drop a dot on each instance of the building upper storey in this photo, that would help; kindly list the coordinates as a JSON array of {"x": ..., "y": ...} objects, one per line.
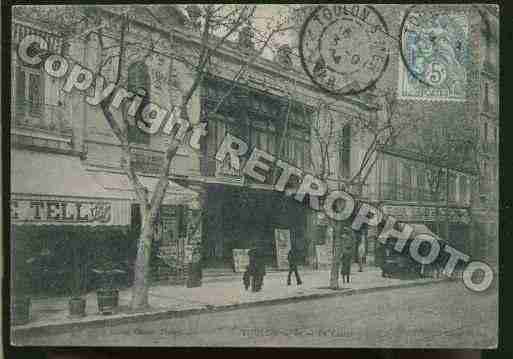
[
  {"x": 162, "y": 43},
  {"x": 156, "y": 60}
]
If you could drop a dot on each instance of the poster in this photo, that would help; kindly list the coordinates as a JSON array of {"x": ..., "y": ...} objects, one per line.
[
  {"x": 192, "y": 253},
  {"x": 323, "y": 256},
  {"x": 282, "y": 241},
  {"x": 240, "y": 260}
]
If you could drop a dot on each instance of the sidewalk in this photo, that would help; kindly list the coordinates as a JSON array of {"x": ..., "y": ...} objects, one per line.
[{"x": 214, "y": 294}]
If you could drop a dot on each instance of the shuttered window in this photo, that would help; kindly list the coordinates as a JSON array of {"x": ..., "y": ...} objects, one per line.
[
  {"x": 139, "y": 83},
  {"x": 345, "y": 152},
  {"x": 29, "y": 92}
]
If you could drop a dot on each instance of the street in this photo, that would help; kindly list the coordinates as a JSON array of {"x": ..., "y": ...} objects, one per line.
[{"x": 439, "y": 315}]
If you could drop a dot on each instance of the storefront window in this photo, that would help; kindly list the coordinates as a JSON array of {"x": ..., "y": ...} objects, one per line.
[{"x": 64, "y": 257}]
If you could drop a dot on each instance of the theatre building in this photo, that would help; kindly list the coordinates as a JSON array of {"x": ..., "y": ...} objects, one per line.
[
  {"x": 69, "y": 191},
  {"x": 72, "y": 205}
]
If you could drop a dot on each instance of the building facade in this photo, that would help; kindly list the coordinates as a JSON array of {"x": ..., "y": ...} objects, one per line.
[
  {"x": 454, "y": 196},
  {"x": 66, "y": 162},
  {"x": 57, "y": 136}
]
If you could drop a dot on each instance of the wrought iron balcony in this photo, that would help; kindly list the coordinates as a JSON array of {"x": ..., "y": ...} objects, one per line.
[
  {"x": 225, "y": 170},
  {"x": 45, "y": 118},
  {"x": 397, "y": 192}
]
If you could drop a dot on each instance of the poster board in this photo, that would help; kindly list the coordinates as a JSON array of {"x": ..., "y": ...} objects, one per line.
[
  {"x": 192, "y": 253},
  {"x": 282, "y": 241},
  {"x": 323, "y": 254},
  {"x": 240, "y": 260}
]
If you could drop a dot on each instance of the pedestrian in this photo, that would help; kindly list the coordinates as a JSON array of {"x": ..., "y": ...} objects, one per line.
[
  {"x": 292, "y": 258},
  {"x": 260, "y": 268},
  {"x": 346, "y": 266},
  {"x": 347, "y": 254},
  {"x": 361, "y": 239},
  {"x": 256, "y": 268},
  {"x": 252, "y": 268},
  {"x": 246, "y": 278}
]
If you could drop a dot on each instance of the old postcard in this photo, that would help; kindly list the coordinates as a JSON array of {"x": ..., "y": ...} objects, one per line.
[{"x": 254, "y": 175}]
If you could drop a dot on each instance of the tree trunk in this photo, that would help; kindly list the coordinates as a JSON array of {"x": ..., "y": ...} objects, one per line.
[
  {"x": 142, "y": 263},
  {"x": 335, "y": 260}
]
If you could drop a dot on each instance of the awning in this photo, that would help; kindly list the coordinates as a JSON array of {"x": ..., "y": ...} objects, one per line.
[
  {"x": 48, "y": 188},
  {"x": 120, "y": 185},
  {"x": 38, "y": 173}
]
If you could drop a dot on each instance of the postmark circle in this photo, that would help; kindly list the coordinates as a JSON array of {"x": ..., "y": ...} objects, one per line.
[
  {"x": 342, "y": 49},
  {"x": 433, "y": 46}
]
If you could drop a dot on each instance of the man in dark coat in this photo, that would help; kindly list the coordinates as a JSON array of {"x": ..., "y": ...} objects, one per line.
[
  {"x": 256, "y": 268},
  {"x": 347, "y": 254},
  {"x": 292, "y": 258}
]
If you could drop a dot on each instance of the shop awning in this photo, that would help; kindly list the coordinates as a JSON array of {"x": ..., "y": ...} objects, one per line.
[
  {"x": 38, "y": 173},
  {"x": 49, "y": 188},
  {"x": 120, "y": 185}
]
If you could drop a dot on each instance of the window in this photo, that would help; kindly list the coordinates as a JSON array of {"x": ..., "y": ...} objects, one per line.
[
  {"x": 486, "y": 33},
  {"x": 484, "y": 178},
  {"x": 495, "y": 135},
  {"x": 406, "y": 185},
  {"x": 463, "y": 189},
  {"x": 29, "y": 92},
  {"x": 421, "y": 185},
  {"x": 345, "y": 152},
  {"x": 295, "y": 148},
  {"x": 486, "y": 132},
  {"x": 452, "y": 188},
  {"x": 392, "y": 179},
  {"x": 139, "y": 83},
  {"x": 486, "y": 98}
]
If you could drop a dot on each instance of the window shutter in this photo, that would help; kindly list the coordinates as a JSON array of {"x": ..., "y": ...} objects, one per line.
[
  {"x": 20, "y": 91},
  {"x": 138, "y": 79},
  {"x": 34, "y": 95}
]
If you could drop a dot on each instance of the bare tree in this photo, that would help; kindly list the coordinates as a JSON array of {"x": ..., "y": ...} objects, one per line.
[
  {"x": 445, "y": 143},
  {"x": 381, "y": 126},
  {"x": 216, "y": 26}
]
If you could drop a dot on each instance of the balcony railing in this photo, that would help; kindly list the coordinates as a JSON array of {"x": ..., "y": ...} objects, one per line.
[
  {"x": 225, "y": 170},
  {"x": 46, "y": 118},
  {"x": 397, "y": 192}
]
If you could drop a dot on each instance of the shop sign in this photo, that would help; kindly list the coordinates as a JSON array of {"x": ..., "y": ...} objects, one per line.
[
  {"x": 427, "y": 214},
  {"x": 282, "y": 241},
  {"x": 61, "y": 212}
]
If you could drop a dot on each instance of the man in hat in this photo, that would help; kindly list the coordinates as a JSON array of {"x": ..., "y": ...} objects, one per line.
[
  {"x": 256, "y": 268},
  {"x": 292, "y": 258}
]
